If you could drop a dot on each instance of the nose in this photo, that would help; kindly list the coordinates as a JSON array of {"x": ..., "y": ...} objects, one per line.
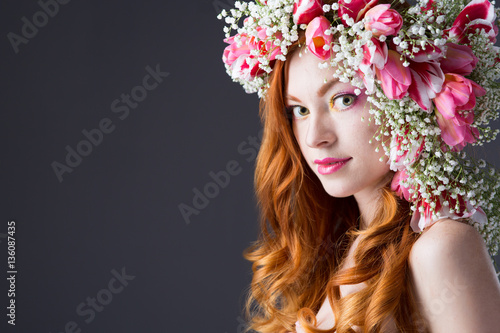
[{"x": 321, "y": 129}]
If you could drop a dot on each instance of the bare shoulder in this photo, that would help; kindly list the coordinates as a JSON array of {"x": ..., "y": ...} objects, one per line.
[
  {"x": 447, "y": 238},
  {"x": 454, "y": 279}
]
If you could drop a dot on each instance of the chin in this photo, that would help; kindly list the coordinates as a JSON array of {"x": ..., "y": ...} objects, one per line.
[{"x": 337, "y": 191}]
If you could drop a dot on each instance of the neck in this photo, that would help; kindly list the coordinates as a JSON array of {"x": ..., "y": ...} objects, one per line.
[
  {"x": 368, "y": 201},
  {"x": 367, "y": 207}
]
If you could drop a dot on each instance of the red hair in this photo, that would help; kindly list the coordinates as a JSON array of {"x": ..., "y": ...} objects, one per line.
[{"x": 304, "y": 238}]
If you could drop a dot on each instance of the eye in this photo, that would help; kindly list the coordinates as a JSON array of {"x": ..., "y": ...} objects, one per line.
[
  {"x": 297, "y": 111},
  {"x": 342, "y": 102}
]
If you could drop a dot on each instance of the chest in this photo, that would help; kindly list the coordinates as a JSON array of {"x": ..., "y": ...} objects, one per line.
[{"x": 325, "y": 316}]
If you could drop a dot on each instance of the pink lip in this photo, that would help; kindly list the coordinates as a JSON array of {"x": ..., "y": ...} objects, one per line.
[{"x": 330, "y": 165}]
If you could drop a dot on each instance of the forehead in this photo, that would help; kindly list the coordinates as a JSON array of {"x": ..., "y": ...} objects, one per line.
[{"x": 303, "y": 74}]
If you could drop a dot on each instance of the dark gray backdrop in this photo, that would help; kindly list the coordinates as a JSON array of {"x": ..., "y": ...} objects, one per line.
[{"x": 108, "y": 229}]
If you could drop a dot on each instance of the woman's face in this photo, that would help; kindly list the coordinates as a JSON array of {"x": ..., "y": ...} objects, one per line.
[{"x": 327, "y": 124}]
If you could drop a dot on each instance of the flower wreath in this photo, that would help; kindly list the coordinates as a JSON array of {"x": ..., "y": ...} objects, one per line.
[{"x": 429, "y": 72}]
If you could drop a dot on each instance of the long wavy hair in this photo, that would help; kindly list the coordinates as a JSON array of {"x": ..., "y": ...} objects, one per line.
[{"x": 305, "y": 235}]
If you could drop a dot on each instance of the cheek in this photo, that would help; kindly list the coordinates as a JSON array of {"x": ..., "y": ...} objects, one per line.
[
  {"x": 361, "y": 135},
  {"x": 299, "y": 135},
  {"x": 367, "y": 129}
]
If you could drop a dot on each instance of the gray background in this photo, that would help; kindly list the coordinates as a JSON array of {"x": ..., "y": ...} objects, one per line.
[{"x": 118, "y": 209}]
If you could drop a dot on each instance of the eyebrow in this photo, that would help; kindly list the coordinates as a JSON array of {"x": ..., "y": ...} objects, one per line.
[{"x": 321, "y": 92}]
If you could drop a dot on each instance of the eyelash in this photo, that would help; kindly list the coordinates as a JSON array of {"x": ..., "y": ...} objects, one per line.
[{"x": 290, "y": 113}]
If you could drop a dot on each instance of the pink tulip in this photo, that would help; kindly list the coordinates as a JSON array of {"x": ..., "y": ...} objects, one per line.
[
  {"x": 459, "y": 60},
  {"x": 395, "y": 77},
  {"x": 458, "y": 94},
  {"x": 478, "y": 14},
  {"x": 306, "y": 10},
  {"x": 431, "y": 53},
  {"x": 420, "y": 221},
  {"x": 409, "y": 156},
  {"x": 476, "y": 9},
  {"x": 429, "y": 5},
  {"x": 262, "y": 43},
  {"x": 397, "y": 185},
  {"x": 426, "y": 75},
  {"x": 242, "y": 63},
  {"x": 246, "y": 68},
  {"x": 479, "y": 216},
  {"x": 232, "y": 52},
  {"x": 356, "y": 9},
  {"x": 383, "y": 21},
  {"x": 457, "y": 131},
  {"x": 427, "y": 80},
  {"x": 476, "y": 214},
  {"x": 374, "y": 55},
  {"x": 316, "y": 39},
  {"x": 489, "y": 27},
  {"x": 265, "y": 45}
]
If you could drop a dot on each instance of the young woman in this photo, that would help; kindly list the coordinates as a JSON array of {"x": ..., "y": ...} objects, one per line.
[{"x": 372, "y": 217}]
